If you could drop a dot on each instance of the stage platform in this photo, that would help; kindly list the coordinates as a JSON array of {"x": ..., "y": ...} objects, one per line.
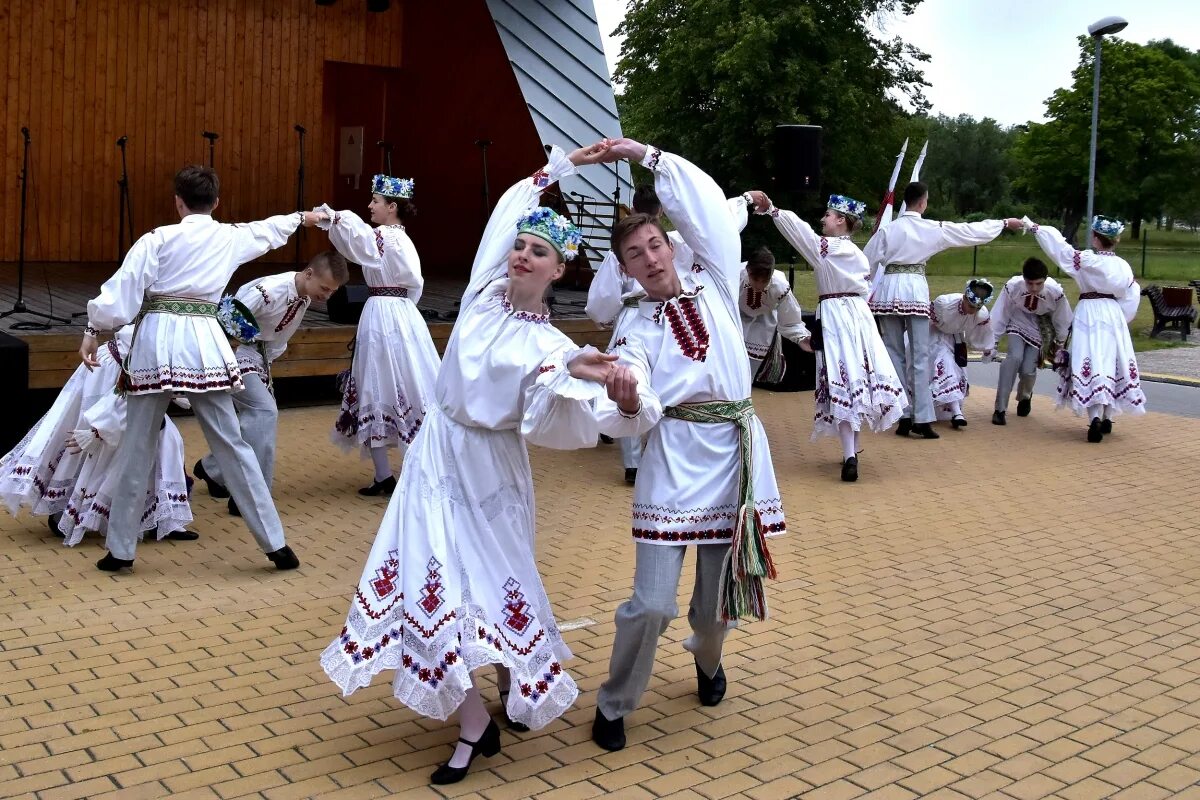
[{"x": 320, "y": 347}]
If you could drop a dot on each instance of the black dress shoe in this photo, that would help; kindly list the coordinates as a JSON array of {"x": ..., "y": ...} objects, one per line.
[
  {"x": 925, "y": 431},
  {"x": 52, "y": 521},
  {"x": 606, "y": 439},
  {"x": 1106, "y": 426},
  {"x": 850, "y": 469},
  {"x": 998, "y": 418},
  {"x": 214, "y": 488},
  {"x": 284, "y": 558},
  {"x": 1023, "y": 407},
  {"x": 233, "y": 509},
  {"x": 1095, "y": 433},
  {"x": 183, "y": 536},
  {"x": 513, "y": 725},
  {"x": 608, "y": 733},
  {"x": 488, "y": 745},
  {"x": 711, "y": 690},
  {"x": 958, "y": 421},
  {"x": 385, "y": 486},
  {"x": 904, "y": 426},
  {"x": 111, "y": 563},
  {"x": 631, "y": 474}
]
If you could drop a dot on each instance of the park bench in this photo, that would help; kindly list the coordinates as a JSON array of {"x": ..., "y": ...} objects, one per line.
[{"x": 1172, "y": 306}]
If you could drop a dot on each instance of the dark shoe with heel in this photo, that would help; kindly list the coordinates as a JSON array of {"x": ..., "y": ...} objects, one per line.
[
  {"x": 925, "y": 431},
  {"x": 111, "y": 563},
  {"x": 512, "y": 724},
  {"x": 998, "y": 418},
  {"x": 1095, "y": 432},
  {"x": 385, "y": 486},
  {"x": 215, "y": 489},
  {"x": 710, "y": 690},
  {"x": 1106, "y": 426},
  {"x": 284, "y": 558},
  {"x": 850, "y": 469},
  {"x": 1023, "y": 407},
  {"x": 608, "y": 733},
  {"x": 488, "y": 746},
  {"x": 904, "y": 426}
]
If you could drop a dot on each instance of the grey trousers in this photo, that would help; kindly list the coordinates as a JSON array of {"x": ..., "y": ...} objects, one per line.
[
  {"x": 631, "y": 451},
  {"x": 258, "y": 416},
  {"x": 912, "y": 364},
  {"x": 643, "y": 618},
  {"x": 134, "y": 460},
  {"x": 1021, "y": 358}
]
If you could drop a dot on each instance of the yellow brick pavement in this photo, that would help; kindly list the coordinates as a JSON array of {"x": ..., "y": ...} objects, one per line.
[{"x": 1005, "y": 613}]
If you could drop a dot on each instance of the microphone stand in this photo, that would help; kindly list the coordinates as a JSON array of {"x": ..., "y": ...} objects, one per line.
[
  {"x": 212, "y": 146},
  {"x": 300, "y": 188},
  {"x": 386, "y": 147},
  {"x": 125, "y": 214},
  {"x": 19, "y": 307},
  {"x": 482, "y": 144}
]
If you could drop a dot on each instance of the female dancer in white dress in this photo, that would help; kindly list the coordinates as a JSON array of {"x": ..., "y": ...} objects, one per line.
[
  {"x": 857, "y": 386},
  {"x": 1103, "y": 378},
  {"x": 451, "y": 583},
  {"x": 391, "y": 378}
]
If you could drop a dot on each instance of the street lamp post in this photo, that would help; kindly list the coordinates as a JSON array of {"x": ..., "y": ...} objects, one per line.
[{"x": 1097, "y": 30}]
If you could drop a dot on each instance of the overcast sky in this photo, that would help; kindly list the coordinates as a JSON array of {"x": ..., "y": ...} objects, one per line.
[{"x": 1002, "y": 58}]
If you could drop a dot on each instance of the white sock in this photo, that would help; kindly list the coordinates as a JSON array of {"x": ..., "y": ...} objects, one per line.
[
  {"x": 848, "y": 436},
  {"x": 1095, "y": 411},
  {"x": 955, "y": 408},
  {"x": 383, "y": 469}
]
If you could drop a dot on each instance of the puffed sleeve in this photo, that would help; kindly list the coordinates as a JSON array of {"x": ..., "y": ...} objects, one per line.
[
  {"x": 491, "y": 260},
  {"x": 980, "y": 335},
  {"x": 121, "y": 296},
  {"x": 1055, "y": 246},
  {"x": 604, "y": 295},
  {"x": 613, "y": 422},
  {"x": 1062, "y": 316},
  {"x": 558, "y": 408},
  {"x": 965, "y": 234},
  {"x": 1130, "y": 300},
  {"x": 799, "y": 234},
  {"x": 102, "y": 423},
  {"x": 790, "y": 322},
  {"x": 354, "y": 239},
  {"x": 253, "y": 239}
]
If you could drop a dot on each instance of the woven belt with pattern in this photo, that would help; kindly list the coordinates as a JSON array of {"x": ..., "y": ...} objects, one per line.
[
  {"x": 180, "y": 305},
  {"x": 388, "y": 291},
  {"x": 904, "y": 269},
  {"x": 836, "y": 295},
  {"x": 1096, "y": 296}
]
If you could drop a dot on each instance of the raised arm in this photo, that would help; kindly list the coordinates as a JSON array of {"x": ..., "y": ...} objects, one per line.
[
  {"x": 799, "y": 234},
  {"x": 604, "y": 295},
  {"x": 253, "y": 239},
  {"x": 351, "y": 236},
  {"x": 965, "y": 234},
  {"x": 1054, "y": 245}
]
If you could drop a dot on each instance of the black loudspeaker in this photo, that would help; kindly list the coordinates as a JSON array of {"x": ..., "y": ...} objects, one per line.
[
  {"x": 14, "y": 365},
  {"x": 798, "y": 158},
  {"x": 801, "y": 372},
  {"x": 346, "y": 304}
]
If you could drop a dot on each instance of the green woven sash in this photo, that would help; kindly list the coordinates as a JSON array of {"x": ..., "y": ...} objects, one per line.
[
  {"x": 748, "y": 563},
  {"x": 901, "y": 269},
  {"x": 180, "y": 305}
]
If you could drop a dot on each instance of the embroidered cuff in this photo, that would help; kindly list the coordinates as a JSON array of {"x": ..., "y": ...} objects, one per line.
[
  {"x": 332, "y": 217},
  {"x": 650, "y": 160},
  {"x": 1028, "y": 225},
  {"x": 554, "y": 374},
  {"x": 88, "y": 330}
]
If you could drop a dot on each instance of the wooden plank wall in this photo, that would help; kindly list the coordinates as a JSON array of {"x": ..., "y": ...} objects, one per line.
[{"x": 81, "y": 73}]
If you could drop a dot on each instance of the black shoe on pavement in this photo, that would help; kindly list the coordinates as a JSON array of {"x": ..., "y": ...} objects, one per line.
[
  {"x": 608, "y": 733},
  {"x": 1023, "y": 407},
  {"x": 385, "y": 486},
  {"x": 284, "y": 558},
  {"x": 52, "y": 522},
  {"x": 111, "y": 563},
  {"x": 1095, "y": 433},
  {"x": 925, "y": 431},
  {"x": 958, "y": 421},
  {"x": 1106, "y": 426},
  {"x": 487, "y": 745},
  {"x": 233, "y": 509},
  {"x": 513, "y": 725},
  {"x": 998, "y": 418},
  {"x": 606, "y": 439},
  {"x": 631, "y": 474},
  {"x": 711, "y": 690},
  {"x": 214, "y": 488},
  {"x": 904, "y": 426},
  {"x": 183, "y": 536},
  {"x": 850, "y": 469}
]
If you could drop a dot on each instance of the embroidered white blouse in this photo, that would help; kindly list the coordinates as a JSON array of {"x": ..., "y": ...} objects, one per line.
[
  {"x": 838, "y": 265},
  {"x": 1017, "y": 310},
  {"x": 949, "y": 315},
  {"x": 386, "y": 254},
  {"x": 279, "y": 309},
  {"x": 769, "y": 310},
  {"x": 1103, "y": 272}
]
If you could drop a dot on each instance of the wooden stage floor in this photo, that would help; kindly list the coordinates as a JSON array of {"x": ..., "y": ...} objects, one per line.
[{"x": 320, "y": 347}]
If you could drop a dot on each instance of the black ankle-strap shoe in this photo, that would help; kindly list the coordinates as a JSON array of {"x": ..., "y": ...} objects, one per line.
[
  {"x": 488, "y": 746},
  {"x": 385, "y": 486},
  {"x": 1095, "y": 432},
  {"x": 512, "y": 724}
]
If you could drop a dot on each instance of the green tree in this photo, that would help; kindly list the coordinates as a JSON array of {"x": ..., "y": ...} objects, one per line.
[
  {"x": 712, "y": 78},
  {"x": 969, "y": 166},
  {"x": 1149, "y": 119}
]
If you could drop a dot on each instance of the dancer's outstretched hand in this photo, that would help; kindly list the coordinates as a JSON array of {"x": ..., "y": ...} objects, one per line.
[
  {"x": 592, "y": 154},
  {"x": 1014, "y": 224},
  {"x": 311, "y": 218},
  {"x": 88, "y": 350},
  {"x": 591, "y": 365},
  {"x": 762, "y": 203},
  {"x": 622, "y": 389},
  {"x": 624, "y": 148}
]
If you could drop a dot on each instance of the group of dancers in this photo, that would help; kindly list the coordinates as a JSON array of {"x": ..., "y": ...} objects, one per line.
[{"x": 451, "y": 583}]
